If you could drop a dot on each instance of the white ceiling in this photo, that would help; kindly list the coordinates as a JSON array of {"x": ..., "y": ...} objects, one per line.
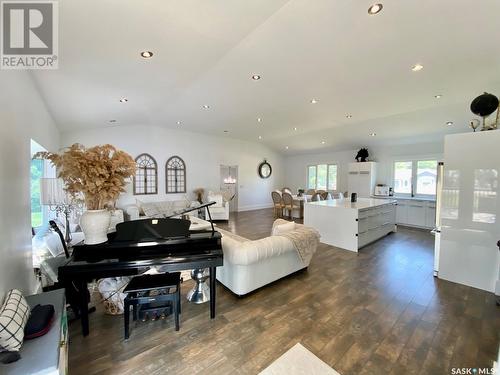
[{"x": 205, "y": 52}]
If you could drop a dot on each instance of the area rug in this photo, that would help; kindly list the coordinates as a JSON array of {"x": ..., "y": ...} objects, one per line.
[{"x": 298, "y": 361}]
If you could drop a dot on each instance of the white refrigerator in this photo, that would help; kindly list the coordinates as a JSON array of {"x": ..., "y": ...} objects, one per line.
[{"x": 469, "y": 210}]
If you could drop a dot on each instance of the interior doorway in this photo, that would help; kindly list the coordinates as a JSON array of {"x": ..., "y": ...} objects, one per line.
[{"x": 229, "y": 184}]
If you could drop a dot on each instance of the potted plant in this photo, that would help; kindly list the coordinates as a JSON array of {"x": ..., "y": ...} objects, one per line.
[{"x": 96, "y": 175}]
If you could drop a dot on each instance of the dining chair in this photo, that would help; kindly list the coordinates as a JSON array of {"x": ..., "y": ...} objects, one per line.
[
  {"x": 326, "y": 196},
  {"x": 310, "y": 191},
  {"x": 320, "y": 191},
  {"x": 288, "y": 204},
  {"x": 278, "y": 204},
  {"x": 316, "y": 197},
  {"x": 286, "y": 190},
  {"x": 341, "y": 195}
]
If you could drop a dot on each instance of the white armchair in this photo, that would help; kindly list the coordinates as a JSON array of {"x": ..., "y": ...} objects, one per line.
[{"x": 220, "y": 210}]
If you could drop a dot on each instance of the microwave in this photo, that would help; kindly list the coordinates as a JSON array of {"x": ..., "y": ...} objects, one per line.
[{"x": 382, "y": 191}]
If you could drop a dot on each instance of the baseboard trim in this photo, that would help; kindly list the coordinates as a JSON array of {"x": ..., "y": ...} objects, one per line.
[{"x": 255, "y": 207}]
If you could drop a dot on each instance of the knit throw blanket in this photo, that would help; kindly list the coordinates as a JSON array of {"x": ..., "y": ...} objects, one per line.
[{"x": 305, "y": 239}]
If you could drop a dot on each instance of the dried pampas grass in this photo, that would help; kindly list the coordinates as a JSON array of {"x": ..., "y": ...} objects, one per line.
[{"x": 99, "y": 173}]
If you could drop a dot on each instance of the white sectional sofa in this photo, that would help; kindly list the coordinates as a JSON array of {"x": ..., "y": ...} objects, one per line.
[{"x": 249, "y": 265}]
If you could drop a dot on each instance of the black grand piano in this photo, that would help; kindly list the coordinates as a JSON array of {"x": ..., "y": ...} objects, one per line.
[{"x": 136, "y": 246}]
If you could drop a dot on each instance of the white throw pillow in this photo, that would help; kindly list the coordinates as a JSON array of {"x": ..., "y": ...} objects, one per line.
[
  {"x": 283, "y": 228},
  {"x": 14, "y": 315},
  {"x": 150, "y": 209},
  {"x": 217, "y": 198}
]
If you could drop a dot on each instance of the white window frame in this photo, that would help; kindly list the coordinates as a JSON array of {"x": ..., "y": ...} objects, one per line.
[
  {"x": 414, "y": 168},
  {"x": 327, "y": 174}
]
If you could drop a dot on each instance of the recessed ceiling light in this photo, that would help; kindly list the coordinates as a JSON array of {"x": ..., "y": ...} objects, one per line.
[
  {"x": 178, "y": 122},
  {"x": 295, "y": 129},
  {"x": 417, "y": 67},
  {"x": 226, "y": 131},
  {"x": 323, "y": 142},
  {"x": 206, "y": 106},
  {"x": 123, "y": 100},
  {"x": 314, "y": 101},
  {"x": 112, "y": 121},
  {"x": 260, "y": 137},
  {"x": 256, "y": 77},
  {"x": 286, "y": 147},
  {"x": 374, "y": 9},
  {"x": 449, "y": 123},
  {"x": 348, "y": 116},
  {"x": 147, "y": 54},
  {"x": 259, "y": 119},
  {"x": 438, "y": 96},
  {"x": 373, "y": 134}
]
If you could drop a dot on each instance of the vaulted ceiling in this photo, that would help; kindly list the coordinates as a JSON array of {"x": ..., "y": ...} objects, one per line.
[{"x": 205, "y": 53}]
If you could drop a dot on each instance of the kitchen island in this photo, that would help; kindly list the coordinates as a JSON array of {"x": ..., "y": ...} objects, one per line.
[{"x": 351, "y": 225}]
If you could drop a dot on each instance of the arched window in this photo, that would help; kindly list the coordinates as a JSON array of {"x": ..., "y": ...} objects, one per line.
[
  {"x": 146, "y": 176},
  {"x": 175, "y": 172}
]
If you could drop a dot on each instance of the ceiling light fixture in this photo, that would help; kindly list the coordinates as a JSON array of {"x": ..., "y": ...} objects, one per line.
[
  {"x": 123, "y": 100},
  {"x": 374, "y": 9},
  {"x": 147, "y": 54},
  {"x": 449, "y": 123},
  {"x": 314, "y": 101},
  {"x": 348, "y": 116},
  {"x": 206, "y": 106},
  {"x": 295, "y": 129},
  {"x": 260, "y": 137},
  {"x": 417, "y": 67},
  {"x": 112, "y": 121},
  {"x": 178, "y": 122},
  {"x": 373, "y": 134},
  {"x": 256, "y": 77},
  {"x": 286, "y": 147},
  {"x": 259, "y": 119},
  {"x": 323, "y": 142},
  {"x": 226, "y": 131},
  {"x": 438, "y": 96}
]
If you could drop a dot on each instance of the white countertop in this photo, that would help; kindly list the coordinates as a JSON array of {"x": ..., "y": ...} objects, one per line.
[
  {"x": 362, "y": 203},
  {"x": 408, "y": 198}
]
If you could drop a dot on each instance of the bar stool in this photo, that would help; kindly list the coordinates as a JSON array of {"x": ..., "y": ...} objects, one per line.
[{"x": 167, "y": 286}]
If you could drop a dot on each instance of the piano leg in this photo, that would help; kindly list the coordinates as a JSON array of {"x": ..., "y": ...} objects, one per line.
[
  {"x": 212, "y": 292},
  {"x": 84, "y": 306}
]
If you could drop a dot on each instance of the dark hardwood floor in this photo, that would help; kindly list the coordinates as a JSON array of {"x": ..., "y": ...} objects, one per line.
[{"x": 376, "y": 312}]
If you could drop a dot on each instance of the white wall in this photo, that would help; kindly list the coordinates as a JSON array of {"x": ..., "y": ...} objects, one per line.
[
  {"x": 203, "y": 155},
  {"x": 23, "y": 116},
  {"x": 296, "y": 166}
]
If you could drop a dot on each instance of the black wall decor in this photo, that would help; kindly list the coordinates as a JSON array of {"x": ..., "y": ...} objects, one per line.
[{"x": 265, "y": 170}]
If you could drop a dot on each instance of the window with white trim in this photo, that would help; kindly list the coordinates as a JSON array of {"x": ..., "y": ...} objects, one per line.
[
  {"x": 322, "y": 177},
  {"x": 415, "y": 178}
]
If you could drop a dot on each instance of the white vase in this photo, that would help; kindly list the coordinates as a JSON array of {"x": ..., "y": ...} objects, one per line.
[{"x": 95, "y": 224}]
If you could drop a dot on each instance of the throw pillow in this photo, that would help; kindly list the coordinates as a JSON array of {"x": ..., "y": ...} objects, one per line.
[
  {"x": 139, "y": 204},
  {"x": 283, "y": 228},
  {"x": 13, "y": 317},
  {"x": 217, "y": 198},
  {"x": 150, "y": 209}
]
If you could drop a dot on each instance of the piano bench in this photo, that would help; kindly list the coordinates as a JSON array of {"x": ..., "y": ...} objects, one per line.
[{"x": 167, "y": 293}]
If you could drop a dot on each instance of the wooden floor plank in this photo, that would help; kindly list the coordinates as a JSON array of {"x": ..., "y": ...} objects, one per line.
[{"x": 376, "y": 312}]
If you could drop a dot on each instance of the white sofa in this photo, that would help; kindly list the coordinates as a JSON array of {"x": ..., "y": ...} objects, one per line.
[
  {"x": 220, "y": 210},
  {"x": 156, "y": 209},
  {"x": 249, "y": 265}
]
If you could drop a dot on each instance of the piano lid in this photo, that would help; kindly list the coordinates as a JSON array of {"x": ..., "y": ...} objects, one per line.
[{"x": 150, "y": 230}]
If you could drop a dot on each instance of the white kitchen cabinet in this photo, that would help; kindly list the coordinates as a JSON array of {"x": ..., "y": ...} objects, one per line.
[
  {"x": 362, "y": 178},
  {"x": 416, "y": 212},
  {"x": 430, "y": 215}
]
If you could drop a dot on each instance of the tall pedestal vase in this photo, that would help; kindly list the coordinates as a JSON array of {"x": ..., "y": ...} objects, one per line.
[{"x": 95, "y": 224}]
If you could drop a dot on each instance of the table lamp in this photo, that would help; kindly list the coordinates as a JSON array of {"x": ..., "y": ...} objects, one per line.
[{"x": 52, "y": 194}]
